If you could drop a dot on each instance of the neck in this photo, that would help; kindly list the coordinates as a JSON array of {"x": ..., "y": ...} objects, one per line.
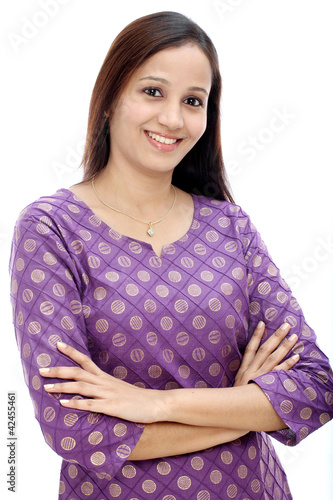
[{"x": 138, "y": 194}]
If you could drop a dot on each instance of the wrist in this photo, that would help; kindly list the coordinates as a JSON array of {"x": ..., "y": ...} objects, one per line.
[
  {"x": 160, "y": 405},
  {"x": 177, "y": 404},
  {"x": 165, "y": 405}
]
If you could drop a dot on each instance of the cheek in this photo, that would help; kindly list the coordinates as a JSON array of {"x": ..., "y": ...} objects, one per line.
[
  {"x": 122, "y": 116},
  {"x": 125, "y": 117},
  {"x": 198, "y": 126},
  {"x": 134, "y": 113}
]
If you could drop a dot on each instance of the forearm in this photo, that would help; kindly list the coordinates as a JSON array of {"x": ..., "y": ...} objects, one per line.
[
  {"x": 164, "y": 439},
  {"x": 242, "y": 408}
]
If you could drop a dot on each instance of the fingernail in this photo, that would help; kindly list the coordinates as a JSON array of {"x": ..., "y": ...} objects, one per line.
[
  {"x": 48, "y": 386},
  {"x": 293, "y": 337},
  {"x": 64, "y": 401},
  {"x": 285, "y": 326},
  {"x": 260, "y": 324},
  {"x": 61, "y": 345},
  {"x": 44, "y": 370},
  {"x": 295, "y": 357}
]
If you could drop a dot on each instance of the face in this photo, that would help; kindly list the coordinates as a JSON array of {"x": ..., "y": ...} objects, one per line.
[{"x": 162, "y": 111}]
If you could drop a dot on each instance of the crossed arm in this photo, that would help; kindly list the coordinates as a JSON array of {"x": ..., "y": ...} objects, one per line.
[{"x": 181, "y": 420}]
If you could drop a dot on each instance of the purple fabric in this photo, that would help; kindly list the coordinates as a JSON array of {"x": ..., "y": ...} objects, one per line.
[{"x": 182, "y": 320}]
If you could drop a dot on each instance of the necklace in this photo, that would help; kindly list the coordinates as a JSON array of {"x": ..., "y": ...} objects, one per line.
[{"x": 150, "y": 229}]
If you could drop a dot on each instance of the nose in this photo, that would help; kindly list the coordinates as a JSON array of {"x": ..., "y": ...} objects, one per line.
[{"x": 170, "y": 116}]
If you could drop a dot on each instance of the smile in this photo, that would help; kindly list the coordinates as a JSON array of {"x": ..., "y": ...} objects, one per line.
[{"x": 162, "y": 139}]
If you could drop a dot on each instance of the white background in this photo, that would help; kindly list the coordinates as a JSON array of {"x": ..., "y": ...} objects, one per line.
[{"x": 276, "y": 58}]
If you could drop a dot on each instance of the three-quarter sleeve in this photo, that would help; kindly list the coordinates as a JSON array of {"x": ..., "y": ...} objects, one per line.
[
  {"x": 47, "y": 299},
  {"x": 302, "y": 396}
]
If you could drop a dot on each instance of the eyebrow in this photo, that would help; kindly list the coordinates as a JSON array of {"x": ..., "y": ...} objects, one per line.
[{"x": 165, "y": 82}]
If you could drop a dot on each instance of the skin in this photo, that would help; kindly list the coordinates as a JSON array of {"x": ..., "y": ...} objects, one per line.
[
  {"x": 196, "y": 418},
  {"x": 162, "y": 96},
  {"x": 167, "y": 95}
]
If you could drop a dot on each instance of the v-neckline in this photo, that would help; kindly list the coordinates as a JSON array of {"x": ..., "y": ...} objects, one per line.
[{"x": 124, "y": 237}]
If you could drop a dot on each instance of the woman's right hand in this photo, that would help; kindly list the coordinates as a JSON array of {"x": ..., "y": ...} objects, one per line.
[{"x": 260, "y": 359}]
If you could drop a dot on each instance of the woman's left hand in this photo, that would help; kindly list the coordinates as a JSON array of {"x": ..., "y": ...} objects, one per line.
[
  {"x": 260, "y": 359},
  {"x": 107, "y": 394}
]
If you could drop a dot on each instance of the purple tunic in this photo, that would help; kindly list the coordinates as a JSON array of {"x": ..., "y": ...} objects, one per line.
[{"x": 181, "y": 320}]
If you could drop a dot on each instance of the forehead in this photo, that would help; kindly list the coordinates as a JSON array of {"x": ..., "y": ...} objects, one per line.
[{"x": 187, "y": 65}]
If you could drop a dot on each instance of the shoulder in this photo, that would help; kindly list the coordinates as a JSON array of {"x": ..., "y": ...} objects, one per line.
[
  {"x": 223, "y": 215},
  {"x": 226, "y": 226},
  {"x": 51, "y": 207},
  {"x": 223, "y": 207}
]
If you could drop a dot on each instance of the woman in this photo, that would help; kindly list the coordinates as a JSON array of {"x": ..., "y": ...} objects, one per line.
[{"x": 131, "y": 284}]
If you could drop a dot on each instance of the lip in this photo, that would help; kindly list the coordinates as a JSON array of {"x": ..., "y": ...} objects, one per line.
[
  {"x": 159, "y": 145},
  {"x": 163, "y": 135}
]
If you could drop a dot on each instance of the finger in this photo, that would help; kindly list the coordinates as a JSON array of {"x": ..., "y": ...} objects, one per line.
[
  {"x": 82, "y": 388},
  {"x": 81, "y": 359},
  {"x": 69, "y": 373},
  {"x": 79, "y": 404},
  {"x": 92, "y": 405},
  {"x": 280, "y": 353},
  {"x": 274, "y": 341},
  {"x": 288, "y": 363},
  {"x": 253, "y": 345}
]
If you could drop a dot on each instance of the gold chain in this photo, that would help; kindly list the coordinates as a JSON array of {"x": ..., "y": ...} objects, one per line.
[{"x": 150, "y": 230}]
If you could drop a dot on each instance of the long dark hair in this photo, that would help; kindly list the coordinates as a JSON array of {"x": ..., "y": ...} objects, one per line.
[{"x": 202, "y": 170}]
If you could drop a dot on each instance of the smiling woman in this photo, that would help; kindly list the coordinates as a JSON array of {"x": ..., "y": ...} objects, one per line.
[
  {"x": 171, "y": 117},
  {"x": 145, "y": 297},
  {"x": 135, "y": 46}
]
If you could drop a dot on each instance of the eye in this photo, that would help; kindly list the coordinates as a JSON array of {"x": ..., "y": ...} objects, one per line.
[
  {"x": 193, "y": 101},
  {"x": 152, "y": 92}
]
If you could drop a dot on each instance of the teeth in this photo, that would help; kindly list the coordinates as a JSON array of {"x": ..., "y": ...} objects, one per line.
[{"x": 161, "y": 139}]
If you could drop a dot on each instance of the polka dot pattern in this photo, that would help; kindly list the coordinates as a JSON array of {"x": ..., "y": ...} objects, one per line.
[{"x": 179, "y": 320}]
